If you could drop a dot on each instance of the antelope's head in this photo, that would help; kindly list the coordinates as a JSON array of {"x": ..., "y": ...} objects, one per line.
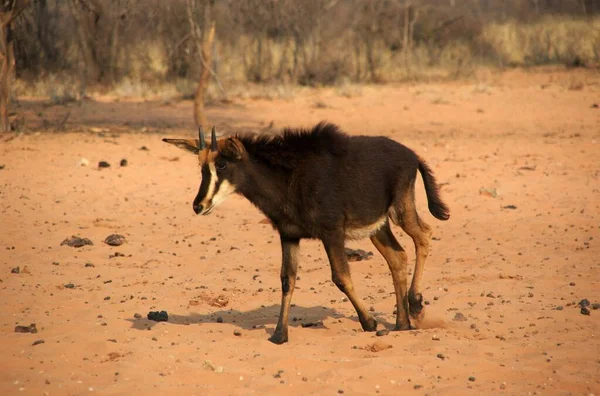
[{"x": 219, "y": 163}]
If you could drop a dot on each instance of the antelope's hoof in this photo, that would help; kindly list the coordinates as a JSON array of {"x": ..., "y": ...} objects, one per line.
[
  {"x": 402, "y": 327},
  {"x": 278, "y": 338},
  {"x": 415, "y": 305},
  {"x": 370, "y": 324}
]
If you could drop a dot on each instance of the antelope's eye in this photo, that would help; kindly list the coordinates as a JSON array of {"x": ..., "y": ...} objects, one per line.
[{"x": 221, "y": 165}]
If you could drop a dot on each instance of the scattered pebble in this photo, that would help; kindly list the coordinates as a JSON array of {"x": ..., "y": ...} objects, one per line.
[
  {"x": 103, "y": 164},
  {"x": 509, "y": 207},
  {"x": 584, "y": 303},
  {"x": 472, "y": 379},
  {"x": 157, "y": 316},
  {"x": 76, "y": 242},
  {"x": 313, "y": 324},
  {"x": 435, "y": 337},
  {"x": 237, "y": 333},
  {"x": 596, "y": 306},
  {"x": 123, "y": 162},
  {"x": 26, "y": 329},
  {"x": 69, "y": 286},
  {"x": 137, "y": 316},
  {"x": 38, "y": 342},
  {"x": 16, "y": 270},
  {"x": 220, "y": 319},
  {"x": 84, "y": 162},
  {"x": 114, "y": 240},
  {"x": 441, "y": 356},
  {"x": 459, "y": 317},
  {"x": 382, "y": 332},
  {"x": 358, "y": 254},
  {"x": 585, "y": 311}
]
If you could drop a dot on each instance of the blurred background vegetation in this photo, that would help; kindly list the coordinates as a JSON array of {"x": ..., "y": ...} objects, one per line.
[{"x": 131, "y": 47}]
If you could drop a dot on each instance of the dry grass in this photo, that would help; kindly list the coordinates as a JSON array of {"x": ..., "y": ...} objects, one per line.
[{"x": 551, "y": 40}]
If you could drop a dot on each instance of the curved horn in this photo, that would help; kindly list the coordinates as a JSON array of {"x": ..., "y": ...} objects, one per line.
[
  {"x": 201, "y": 141},
  {"x": 213, "y": 139}
]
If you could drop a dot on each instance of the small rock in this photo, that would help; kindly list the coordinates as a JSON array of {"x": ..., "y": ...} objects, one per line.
[
  {"x": 25, "y": 270},
  {"x": 459, "y": 317},
  {"x": 123, "y": 162},
  {"x": 76, "y": 242},
  {"x": 571, "y": 283},
  {"x": 38, "y": 342},
  {"x": 417, "y": 386},
  {"x": 584, "y": 303},
  {"x": 16, "y": 270},
  {"x": 509, "y": 207},
  {"x": 69, "y": 286},
  {"x": 585, "y": 311},
  {"x": 441, "y": 356},
  {"x": 596, "y": 306},
  {"x": 559, "y": 308},
  {"x": 472, "y": 379},
  {"x": 382, "y": 332},
  {"x": 313, "y": 324},
  {"x": 237, "y": 333},
  {"x": 358, "y": 254},
  {"x": 103, "y": 164},
  {"x": 84, "y": 162},
  {"x": 26, "y": 329},
  {"x": 595, "y": 106},
  {"x": 156, "y": 316},
  {"x": 89, "y": 265},
  {"x": 144, "y": 148},
  {"x": 137, "y": 316},
  {"x": 114, "y": 240},
  {"x": 220, "y": 319},
  {"x": 106, "y": 298},
  {"x": 435, "y": 337}
]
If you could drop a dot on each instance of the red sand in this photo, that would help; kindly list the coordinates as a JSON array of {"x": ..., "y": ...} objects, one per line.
[{"x": 530, "y": 138}]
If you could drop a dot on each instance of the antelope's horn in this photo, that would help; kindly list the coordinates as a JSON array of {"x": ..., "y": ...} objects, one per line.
[
  {"x": 213, "y": 139},
  {"x": 201, "y": 142}
]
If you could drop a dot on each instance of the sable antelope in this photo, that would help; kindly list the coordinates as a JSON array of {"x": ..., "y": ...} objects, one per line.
[{"x": 324, "y": 184}]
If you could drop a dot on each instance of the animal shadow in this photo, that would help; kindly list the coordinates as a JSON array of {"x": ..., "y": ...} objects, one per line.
[{"x": 309, "y": 317}]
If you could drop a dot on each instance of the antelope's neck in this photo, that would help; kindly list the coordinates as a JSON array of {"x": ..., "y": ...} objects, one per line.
[{"x": 266, "y": 189}]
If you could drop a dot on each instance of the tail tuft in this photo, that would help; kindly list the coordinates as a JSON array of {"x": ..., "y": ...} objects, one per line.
[{"x": 436, "y": 206}]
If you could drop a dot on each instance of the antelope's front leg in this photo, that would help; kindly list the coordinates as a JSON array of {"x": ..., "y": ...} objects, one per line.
[{"x": 289, "y": 267}]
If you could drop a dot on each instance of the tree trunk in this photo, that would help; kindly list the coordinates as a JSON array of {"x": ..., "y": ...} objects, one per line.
[
  {"x": 199, "y": 113},
  {"x": 204, "y": 43},
  {"x": 89, "y": 58},
  {"x": 8, "y": 13}
]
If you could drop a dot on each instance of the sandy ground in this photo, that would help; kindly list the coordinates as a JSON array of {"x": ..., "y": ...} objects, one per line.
[{"x": 516, "y": 154}]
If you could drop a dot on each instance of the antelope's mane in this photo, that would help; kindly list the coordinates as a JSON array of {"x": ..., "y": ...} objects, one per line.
[{"x": 288, "y": 149}]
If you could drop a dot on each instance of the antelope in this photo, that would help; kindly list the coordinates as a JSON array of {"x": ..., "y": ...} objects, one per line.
[{"x": 324, "y": 184}]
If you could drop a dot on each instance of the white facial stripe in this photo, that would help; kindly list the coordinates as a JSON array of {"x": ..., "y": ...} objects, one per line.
[
  {"x": 225, "y": 189},
  {"x": 211, "y": 186}
]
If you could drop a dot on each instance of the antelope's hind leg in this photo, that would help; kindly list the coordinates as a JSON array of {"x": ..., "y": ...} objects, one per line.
[
  {"x": 395, "y": 256},
  {"x": 289, "y": 267},
  {"x": 420, "y": 233},
  {"x": 340, "y": 274}
]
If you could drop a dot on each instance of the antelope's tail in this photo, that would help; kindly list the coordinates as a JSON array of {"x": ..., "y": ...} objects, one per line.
[{"x": 436, "y": 206}]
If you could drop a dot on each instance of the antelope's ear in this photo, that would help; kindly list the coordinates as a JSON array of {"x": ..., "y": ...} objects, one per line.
[
  {"x": 190, "y": 145},
  {"x": 234, "y": 149}
]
